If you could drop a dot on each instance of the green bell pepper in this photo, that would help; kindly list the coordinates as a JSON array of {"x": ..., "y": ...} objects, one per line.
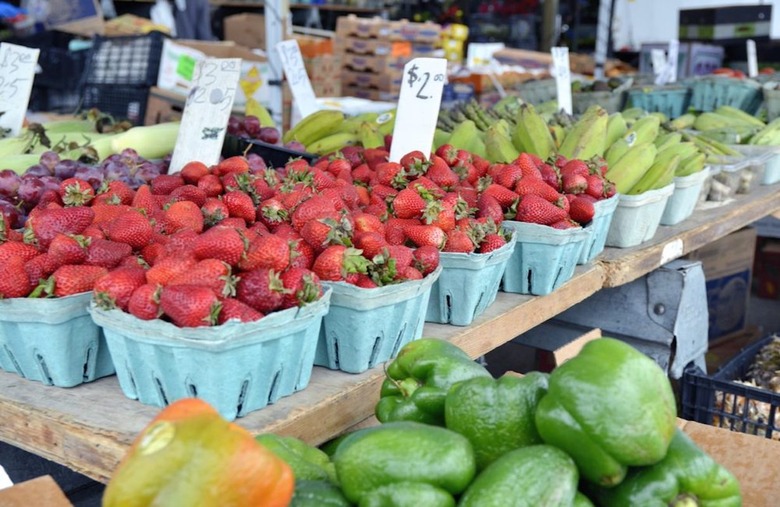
[
  {"x": 419, "y": 378},
  {"x": 529, "y": 477},
  {"x": 408, "y": 494},
  {"x": 307, "y": 462},
  {"x": 609, "y": 407},
  {"x": 497, "y": 416},
  {"x": 318, "y": 494},
  {"x": 403, "y": 452},
  {"x": 687, "y": 476}
]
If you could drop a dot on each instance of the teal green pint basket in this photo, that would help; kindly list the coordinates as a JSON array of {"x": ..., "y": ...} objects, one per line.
[
  {"x": 52, "y": 341},
  {"x": 544, "y": 258},
  {"x": 671, "y": 100},
  {"x": 236, "y": 367},
  {"x": 366, "y": 327},
  {"x": 598, "y": 229},
  {"x": 710, "y": 92},
  {"x": 468, "y": 285}
]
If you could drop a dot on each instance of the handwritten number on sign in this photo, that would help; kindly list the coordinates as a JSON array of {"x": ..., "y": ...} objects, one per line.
[
  {"x": 426, "y": 76},
  {"x": 296, "y": 72},
  {"x": 9, "y": 66}
]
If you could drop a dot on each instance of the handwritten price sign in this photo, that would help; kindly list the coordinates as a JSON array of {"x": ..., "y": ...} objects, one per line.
[
  {"x": 297, "y": 77},
  {"x": 206, "y": 112},
  {"x": 562, "y": 74},
  {"x": 17, "y": 70},
  {"x": 418, "y": 106}
]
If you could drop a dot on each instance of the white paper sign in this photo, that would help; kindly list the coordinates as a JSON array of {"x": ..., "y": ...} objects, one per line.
[
  {"x": 206, "y": 112},
  {"x": 300, "y": 86},
  {"x": 752, "y": 59},
  {"x": 17, "y": 70},
  {"x": 671, "y": 61},
  {"x": 418, "y": 106},
  {"x": 562, "y": 77},
  {"x": 658, "y": 60}
]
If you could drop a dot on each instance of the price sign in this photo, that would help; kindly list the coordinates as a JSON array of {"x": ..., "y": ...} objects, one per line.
[
  {"x": 294, "y": 70},
  {"x": 658, "y": 59},
  {"x": 671, "y": 61},
  {"x": 418, "y": 106},
  {"x": 562, "y": 77},
  {"x": 206, "y": 112},
  {"x": 17, "y": 70},
  {"x": 752, "y": 60}
]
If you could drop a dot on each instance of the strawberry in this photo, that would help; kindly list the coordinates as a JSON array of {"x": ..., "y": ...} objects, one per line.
[
  {"x": 70, "y": 279},
  {"x": 190, "y": 193},
  {"x": 326, "y": 231},
  {"x": 508, "y": 176},
  {"x": 52, "y": 197},
  {"x": 260, "y": 188},
  {"x": 375, "y": 156},
  {"x": 573, "y": 183},
  {"x": 240, "y": 205},
  {"x": 49, "y": 222},
  {"x": 582, "y": 210},
  {"x": 395, "y": 227},
  {"x": 144, "y": 200},
  {"x": 184, "y": 215},
  {"x": 113, "y": 290},
  {"x": 491, "y": 242},
  {"x": 262, "y": 289},
  {"x": 302, "y": 286},
  {"x": 338, "y": 164},
  {"x": 505, "y": 197},
  {"x": 167, "y": 268},
  {"x": 426, "y": 259},
  {"x": 114, "y": 192},
  {"x": 214, "y": 211},
  {"x": 38, "y": 268},
  {"x": 211, "y": 273},
  {"x": 144, "y": 303},
  {"x": 15, "y": 282},
  {"x": 295, "y": 197},
  {"x": 131, "y": 228},
  {"x": 551, "y": 175},
  {"x": 468, "y": 194},
  {"x": 211, "y": 185},
  {"x": 365, "y": 222},
  {"x": 222, "y": 243},
  {"x": 371, "y": 243},
  {"x": 465, "y": 157},
  {"x": 391, "y": 174},
  {"x": 105, "y": 213},
  {"x": 528, "y": 165},
  {"x": 448, "y": 153},
  {"x": 106, "y": 253},
  {"x": 579, "y": 167},
  {"x": 190, "y": 305},
  {"x": 301, "y": 254},
  {"x": 422, "y": 235},
  {"x": 408, "y": 204},
  {"x": 235, "y": 164},
  {"x": 269, "y": 251},
  {"x": 426, "y": 187},
  {"x": 234, "y": 222},
  {"x": 596, "y": 186},
  {"x": 133, "y": 261},
  {"x": 296, "y": 165},
  {"x": 414, "y": 163},
  {"x": 193, "y": 171},
  {"x": 409, "y": 273},
  {"x": 233, "y": 309},
  {"x": 440, "y": 214},
  {"x": 528, "y": 186},
  {"x": 337, "y": 261},
  {"x": 537, "y": 210},
  {"x": 18, "y": 249},
  {"x": 480, "y": 164},
  {"x": 164, "y": 184},
  {"x": 365, "y": 282},
  {"x": 311, "y": 209},
  {"x": 271, "y": 212},
  {"x": 441, "y": 174},
  {"x": 76, "y": 192},
  {"x": 488, "y": 206},
  {"x": 458, "y": 242},
  {"x": 466, "y": 172},
  {"x": 403, "y": 255},
  {"x": 65, "y": 249},
  {"x": 565, "y": 224},
  {"x": 362, "y": 174}
]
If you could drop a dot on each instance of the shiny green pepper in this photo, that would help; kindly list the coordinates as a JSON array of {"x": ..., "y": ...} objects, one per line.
[
  {"x": 307, "y": 462},
  {"x": 408, "y": 494},
  {"x": 317, "y": 494}
]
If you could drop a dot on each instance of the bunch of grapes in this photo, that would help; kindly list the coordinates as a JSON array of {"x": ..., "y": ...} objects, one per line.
[{"x": 249, "y": 127}]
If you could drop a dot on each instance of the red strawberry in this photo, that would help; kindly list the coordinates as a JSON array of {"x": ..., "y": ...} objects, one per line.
[
  {"x": 106, "y": 253},
  {"x": 480, "y": 164},
  {"x": 575, "y": 167},
  {"x": 301, "y": 254},
  {"x": 508, "y": 176},
  {"x": 403, "y": 255},
  {"x": 269, "y": 251},
  {"x": 15, "y": 282},
  {"x": 261, "y": 189},
  {"x": 365, "y": 282},
  {"x": 428, "y": 188},
  {"x": 311, "y": 209},
  {"x": 330, "y": 230},
  {"x": 240, "y": 205},
  {"x": 375, "y": 156},
  {"x": 391, "y": 174},
  {"x": 537, "y": 210},
  {"x": 222, "y": 243},
  {"x": 414, "y": 163},
  {"x": 441, "y": 174},
  {"x": 65, "y": 249},
  {"x": 596, "y": 186},
  {"x": 211, "y": 273},
  {"x": 211, "y": 185},
  {"x": 371, "y": 243},
  {"x": 440, "y": 214},
  {"x": 184, "y": 215},
  {"x": 144, "y": 200},
  {"x": 491, "y": 242},
  {"x": 448, "y": 153},
  {"x": 551, "y": 176},
  {"x": 296, "y": 165},
  {"x": 365, "y": 222},
  {"x": 467, "y": 172},
  {"x": 505, "y": 197},
  {"x": 190, "y": 193},
  {"x": 164, "y": 184},
  {"x": 395, "y": 227},
  {"x": 528, "y": 166},
  {"x": 71, "y": 279},
  {"x": 459, "y": 242},
  {"x": 426, "y": 259},
  {"x": 114, "y": 192},
  {"x": 408, "y": 204},
  {"x": 409, "y": 273},
  {"x": 338, "y": 164},
  {"x": 38, "y": 268},
  {"x": 272, "y": 212},
  {"x": 582, "y": 210},
  {"x": 18, "y": 249},
  {"x": 337, "y": 261},
  {"x": 214, "y": 211},
  {"x": 303, "y": 286},
  {"x": 167, "y": 268},
  {"x": 48, "y": 222},
  {"x": 236, "y": 164},
  {"x": 113, "y": 290},
  {"x": 262, "y": 289},
  {"x": 193, "y": 171},
  {"x": 565, "y": 224},
  {"x": 76, "y": 192},
  {"x": 144, "y": 303},
  {"x": 422, "y": 235},
  {"x": 190, "y": 305},
  {"x": 233, "y": 309},
  {"x": 528, "y": 186},
  {"x": 489, "y": 207},
  {"x": 573, "y": 183},
  {"x": 131, "y": 228}
]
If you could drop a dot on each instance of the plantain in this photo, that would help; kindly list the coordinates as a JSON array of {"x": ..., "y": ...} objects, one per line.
[
  {"x": 352, "y": 123},
  {"x": 740, "y": 115},
  {"x": 477, "y": 146},
  {"x": 684, "y": 121},
  {"x": 691, "y": 165},
  {"x": 662, "y": 118},
  {"x": 660, "y": 174},
  {"x": 588, "y": 136},
  {"x": 737, "y": 134},
  {"x": 630, "y": 168},
  {"x": 558, "y": 133},
  {"x": 498, "y": 146},
  {"x": 531, "y": 135},
  {"x": 440, "y": 137},
  {"x": 711, "y": 120},
  {"x": 616, "y": 128},
  {"x": 616, "y": 151},
  {"x": 385, "y": 122},
  {"x": 332, "y": 143},
  {"x": 768, "y": 135},
  {"x": 318, "y": 125},
  {"x": 463, "y": 134},
  {"x": 369, "y": 136},
  {"x": 633, "y": 113},
  {"x": 644, "y": 130}
]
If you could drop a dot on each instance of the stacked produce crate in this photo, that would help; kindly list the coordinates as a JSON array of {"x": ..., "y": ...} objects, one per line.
[{"x": 374, "y": 51}]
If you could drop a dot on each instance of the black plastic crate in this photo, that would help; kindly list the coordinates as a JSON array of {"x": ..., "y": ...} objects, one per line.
[
  {"x": 127, "y": 60},
  {"x": 121, "y": 102},
  {"x": 718, "y": 401},
  {"x": 61, "y": 69},
  {"x": 274, "y": 156},
  {"x": 54, "y": 100}
]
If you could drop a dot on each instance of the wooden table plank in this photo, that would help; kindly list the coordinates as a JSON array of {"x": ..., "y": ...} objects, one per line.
[
  {"x": 623, "y": 265},
  {"x": 88, "y": 427}
]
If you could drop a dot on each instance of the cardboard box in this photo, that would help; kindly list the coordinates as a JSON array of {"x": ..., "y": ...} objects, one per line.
[
  {"x": 246, "y": 29},
  {"x": 368, "y": 93},
  {"x": 376, "y": 47},
  {"x": 383, "y": 82},
  {"x": 726, "y": 23},
  {"x": 378, "y": 28},
  {"x": 375, "y": 64},
  {"x": 766, "y": 278},
  {"x": 728, "y": 266},
  {"x": 41, "y": 491},
  {"x": 179, "y": 57}
]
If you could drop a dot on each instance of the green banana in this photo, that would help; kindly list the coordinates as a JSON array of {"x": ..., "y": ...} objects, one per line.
[
  {"x": 633, "y": 113},
  {"x": 660, "y": 174},
  {"x": 632, "y": 166},
  {"x": 498, "y": 146},
  {"x": 352, "y": 123},
  {"x": 332, "y": 143},
  {"x": 616, "y": 128},
  {"x": 440, "y": 137},
  {"x": 531, "y": 135},
  {"x": 711, "y": 120},
  {"x": 463, "y": 134},
  {"x": 644, "y": 130},
  {"x": 320, "y": 124},
  {"x": 477, "y": 146},
  {"x": 616, "y": 151},
  {"x": 662, "y": 118},
  {"x": 691, "y": 165},
  {"x": 738, "y": 114},
  {"x": 715, "y": 147},
  {"x": 768, "y": 135},
  {"x": 667, "y": 140},
  {"x": 558, "y": 133},
  {"x": 736, "y": 134},
  {"x": 503, "y": 127},
  {"x": 369, "y": 136},
  {"x": 685, "y": 121},
  {"x": 588, "y": 136}
]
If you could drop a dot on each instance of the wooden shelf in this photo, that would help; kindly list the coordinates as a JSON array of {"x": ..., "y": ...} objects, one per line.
[{"x": 88, "y": 428}]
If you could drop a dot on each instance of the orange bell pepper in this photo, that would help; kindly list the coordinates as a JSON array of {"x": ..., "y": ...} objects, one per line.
[{"x": 190, "y": 456}]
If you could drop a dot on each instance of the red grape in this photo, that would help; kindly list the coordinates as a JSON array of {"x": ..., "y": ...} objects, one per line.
[
  {"x": 252, "y": 127},
  {"x": 269, "y": 135},
  {"x": 9, "y": 183}
]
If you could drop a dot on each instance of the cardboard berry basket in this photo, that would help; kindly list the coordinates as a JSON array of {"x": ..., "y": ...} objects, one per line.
[
  {"x": 52, "y": 341},
  {"x": 365, "y": 327},
  {"x": 236, "y": 367},
  {"x": 468, "y": 284}
]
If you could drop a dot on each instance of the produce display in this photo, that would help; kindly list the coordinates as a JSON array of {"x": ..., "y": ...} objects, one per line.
[
  {"x": 327, "y": 131},
  {"x": 457, "y": 437}
]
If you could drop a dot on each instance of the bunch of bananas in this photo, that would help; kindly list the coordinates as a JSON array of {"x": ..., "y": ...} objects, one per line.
[
  {"x": 729, "y": 125},
  {"x": 326, "y": 131}
]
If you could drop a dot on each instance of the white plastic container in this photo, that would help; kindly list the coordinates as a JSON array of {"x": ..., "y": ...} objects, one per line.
[
  {"x": 733, "y": 177},
  {"x": 765, "y": 157},
  {"x": 686, "y": 193},
  {"x": 637, "y": 217}
]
